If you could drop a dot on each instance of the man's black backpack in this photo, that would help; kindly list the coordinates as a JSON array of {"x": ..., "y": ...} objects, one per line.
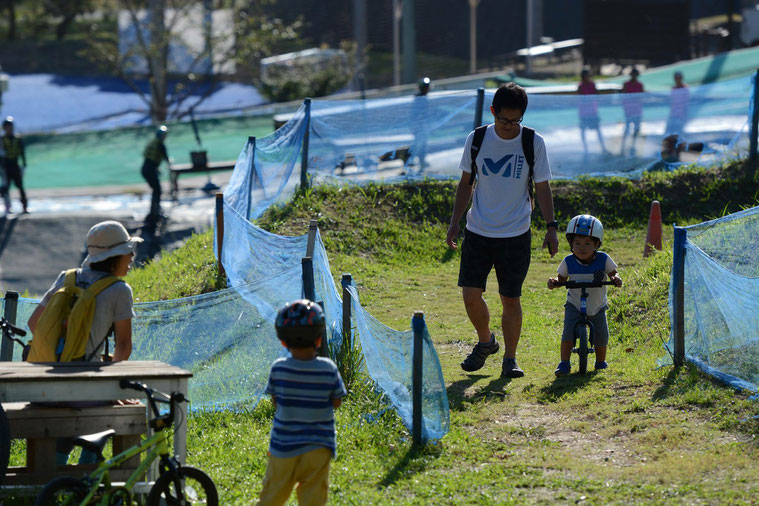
[{"x": 528, "y": 146}]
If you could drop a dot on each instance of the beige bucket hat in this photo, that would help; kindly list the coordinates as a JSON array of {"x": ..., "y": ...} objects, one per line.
[{"x": 108, "y": 239}]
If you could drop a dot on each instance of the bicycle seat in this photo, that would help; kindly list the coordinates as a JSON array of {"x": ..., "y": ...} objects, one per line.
[{"x": 94, "y": 442}]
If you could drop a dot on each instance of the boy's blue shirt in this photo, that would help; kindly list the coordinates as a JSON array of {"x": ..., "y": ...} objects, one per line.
[
  {"x": 598, "y": 264},
  {"x": 304, "y": 391},
  {"x": 575, "y": 270}
]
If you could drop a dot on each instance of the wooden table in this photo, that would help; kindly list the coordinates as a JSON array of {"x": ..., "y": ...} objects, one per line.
[
  {"x": 88, "y": 381},
  {"x": 188, "y": 168}
]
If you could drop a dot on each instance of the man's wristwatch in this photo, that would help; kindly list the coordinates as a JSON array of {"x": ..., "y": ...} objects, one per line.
[{"x": 554, "y": 224}]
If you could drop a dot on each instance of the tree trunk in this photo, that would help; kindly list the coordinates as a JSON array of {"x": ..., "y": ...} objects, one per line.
[
  {"x": 63, "y": 27},
  {"x": 11, "y": 19},
  {"x": 158, "y": 60}
]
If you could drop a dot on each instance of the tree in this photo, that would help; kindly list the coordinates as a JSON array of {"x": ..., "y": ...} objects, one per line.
[
  {"x": 160, "y": 25},
  {"x": 66, "y": 11},
  {"x": 10, "y": 6}
]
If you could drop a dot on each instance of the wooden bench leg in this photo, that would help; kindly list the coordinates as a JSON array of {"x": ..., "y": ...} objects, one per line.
[
  {"x": 174, "y": 177},
  {"x": 121, "y": 443},
  {"x": 38, "y": 461}
]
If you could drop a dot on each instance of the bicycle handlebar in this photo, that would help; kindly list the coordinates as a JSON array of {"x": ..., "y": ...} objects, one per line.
[
  {"x": 583, "y": 284},
  {"x": 171, "y": 400},
  {"x": 8, "y": 326}
]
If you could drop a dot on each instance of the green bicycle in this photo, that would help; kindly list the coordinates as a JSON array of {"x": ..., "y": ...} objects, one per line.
[{"x": 176, "y": 484}]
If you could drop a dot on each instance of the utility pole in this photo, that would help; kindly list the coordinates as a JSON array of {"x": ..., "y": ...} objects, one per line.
[
  {"x": 397, "y": 13},
  {"x": 359, "y": 33},
  {"x": 528, "y": 59},
  {"x": 473, "y": 35},
  {"x": 409, "y": 42}
]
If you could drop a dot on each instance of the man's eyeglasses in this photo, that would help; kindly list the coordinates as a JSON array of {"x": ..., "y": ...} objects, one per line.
[{"x": 509, "y": 121}]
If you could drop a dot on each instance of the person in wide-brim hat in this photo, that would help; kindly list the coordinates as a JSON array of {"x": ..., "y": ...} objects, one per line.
[
  {"x": 110, "y": 250},
  {"x": 109, "y": 239}
]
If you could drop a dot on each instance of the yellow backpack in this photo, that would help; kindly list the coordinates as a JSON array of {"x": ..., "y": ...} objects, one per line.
[{"x": 64, "y": 326}]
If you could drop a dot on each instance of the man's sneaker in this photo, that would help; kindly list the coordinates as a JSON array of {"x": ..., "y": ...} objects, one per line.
[
  {"x": 601, "y": 365},
  {"x": 476, "y": 359},
  {"x": 510, "y": 369},
  {"x": 563, "y": 368}
]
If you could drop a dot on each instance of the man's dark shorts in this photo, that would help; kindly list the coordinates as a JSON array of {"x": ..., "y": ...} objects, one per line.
[{"x": 509, "y": 255}]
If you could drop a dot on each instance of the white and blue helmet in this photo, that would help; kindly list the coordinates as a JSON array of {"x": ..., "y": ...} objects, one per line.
[{"x": 585, "y": 224}]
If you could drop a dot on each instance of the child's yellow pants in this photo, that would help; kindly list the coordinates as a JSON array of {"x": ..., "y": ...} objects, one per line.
[{"x": 309, "y": 471}]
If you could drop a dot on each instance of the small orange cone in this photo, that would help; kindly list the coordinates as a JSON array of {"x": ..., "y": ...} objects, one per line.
[{"x": 653, "y": 237}]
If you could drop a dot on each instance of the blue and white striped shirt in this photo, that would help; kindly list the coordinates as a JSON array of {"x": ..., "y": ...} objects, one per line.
[{"x": 304, "y": 391}]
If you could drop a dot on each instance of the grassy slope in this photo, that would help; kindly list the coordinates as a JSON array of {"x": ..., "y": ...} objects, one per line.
[{"x": 634, "y": 433}]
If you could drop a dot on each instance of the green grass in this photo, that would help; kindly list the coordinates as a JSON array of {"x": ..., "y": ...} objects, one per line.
[{"x": 635, "y": 433}]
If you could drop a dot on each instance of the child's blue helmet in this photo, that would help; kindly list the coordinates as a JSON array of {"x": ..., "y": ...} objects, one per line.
[
  {"x": 300, "y": 323},
  {"x": 585, "y": 224}
]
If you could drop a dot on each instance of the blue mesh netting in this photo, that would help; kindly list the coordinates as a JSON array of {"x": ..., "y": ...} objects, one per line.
[
  {"x": 405, "y": 138},
  {"x": 250, "y": 253},
  {"x": 721, "y": 298}
]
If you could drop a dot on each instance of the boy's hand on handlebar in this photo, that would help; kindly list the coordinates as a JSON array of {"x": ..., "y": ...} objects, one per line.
[
  {"x": 552, "y": 283},
  {"x": 617, "y": 280}
]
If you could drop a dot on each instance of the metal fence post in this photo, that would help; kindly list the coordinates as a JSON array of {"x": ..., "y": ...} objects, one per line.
[
  {"x": 304, "y": 183},
  {"x": 417, "y": 324},
  {"x": 678, "y": 283},
  {"x": 754, "y": 121},
  {"x": 11, "y": 306},
  {"x": 346, "y": 282},
  {"x": 478, "y": 107},
  {"x": 312, "y": 228},
  {"x": 253, "y": 175},
  {"x": 220, "y": 231}
]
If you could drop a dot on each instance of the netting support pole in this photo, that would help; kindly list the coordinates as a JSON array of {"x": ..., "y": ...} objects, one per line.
[
  {"x": 312, "y": 227},
  {"x": 346, "y": 282},
  {"x": 478, "y": 107},
  {"x": 309, "y": 292},
  {"x": 253, "y": 175},
  {"x": 754, "y": 121},
  {"x": 11, "y": 305},
  {"x": 304, "y": 183},
  {"x": 220, "y": 231},
  {"x": 417, "y": 324},
  {"x": 678, "y": 283}
]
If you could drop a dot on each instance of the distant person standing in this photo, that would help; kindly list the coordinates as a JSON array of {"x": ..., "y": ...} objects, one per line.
[
  {"x": 679, "y": 99},
  {"x": 155, "y": 153},
  {"x": 13, "y": 149},
  {"x": 588, "y": 109},
  {"x": 633, "y": 107},
  {"x": 419, "y": 120}
]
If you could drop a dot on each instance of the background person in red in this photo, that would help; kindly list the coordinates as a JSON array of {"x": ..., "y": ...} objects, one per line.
[
  {"x": 588, "y": 109},
  {"x": 633, "y": 107}
]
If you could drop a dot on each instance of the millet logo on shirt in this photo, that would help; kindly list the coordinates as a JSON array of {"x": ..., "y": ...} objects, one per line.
[{"x": 511, "y": 165}]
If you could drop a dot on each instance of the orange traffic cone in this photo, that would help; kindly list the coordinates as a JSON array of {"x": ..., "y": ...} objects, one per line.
[{"x": 653, "y": 237}]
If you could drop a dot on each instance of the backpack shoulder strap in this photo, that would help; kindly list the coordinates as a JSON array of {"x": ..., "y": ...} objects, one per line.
[
  {"x": 69, "y": 281},
  {"x": 528, "y": 147},
  {"x": 101, "y": 284},
  {"x": 479, "y": 135}
]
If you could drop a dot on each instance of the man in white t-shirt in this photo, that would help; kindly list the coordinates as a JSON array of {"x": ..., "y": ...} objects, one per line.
[{"x": 498, "y": 224}]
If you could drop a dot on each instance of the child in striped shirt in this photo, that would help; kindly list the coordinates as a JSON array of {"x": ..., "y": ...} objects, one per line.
[{"x": 305, "y": 390}]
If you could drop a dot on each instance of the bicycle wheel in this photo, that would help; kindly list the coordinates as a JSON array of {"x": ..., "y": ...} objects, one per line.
[
  {"x": 63, "y": 490},
  {"x": 5, "y": 444},
  {"x": 582, "y": 349},
  {"x": 197, "y": 488}
]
